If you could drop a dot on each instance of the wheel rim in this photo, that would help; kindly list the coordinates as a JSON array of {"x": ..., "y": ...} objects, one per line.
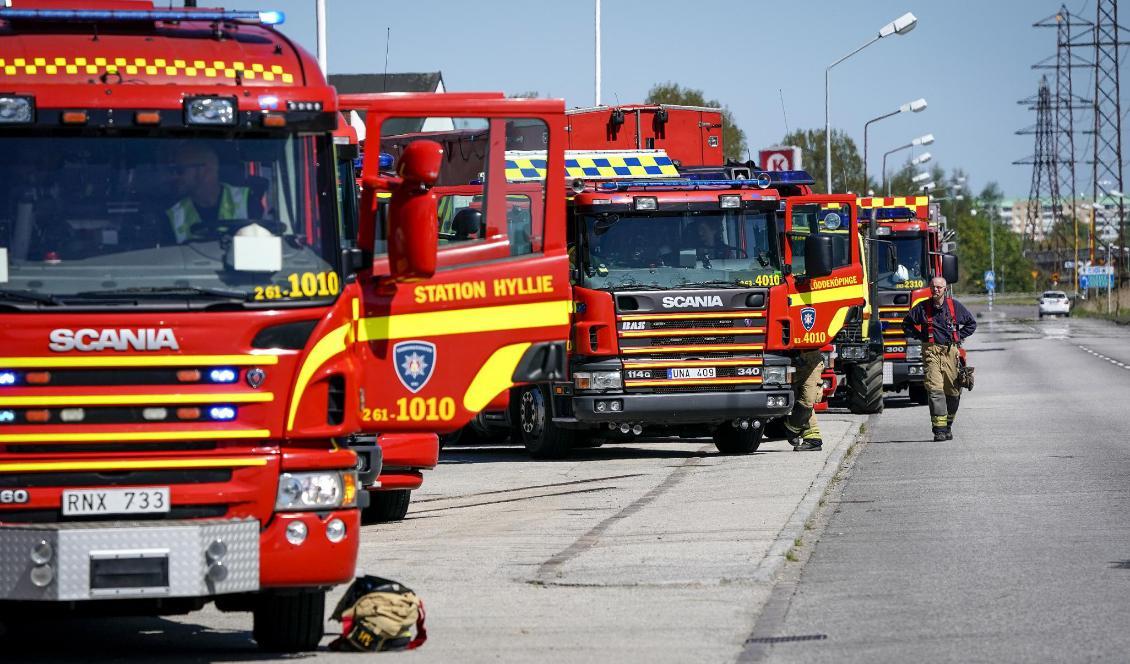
[{"x": 533, "y": 413}]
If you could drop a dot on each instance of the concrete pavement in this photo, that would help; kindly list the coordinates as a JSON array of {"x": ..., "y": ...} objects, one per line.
[{"x": 657, "y": 551}]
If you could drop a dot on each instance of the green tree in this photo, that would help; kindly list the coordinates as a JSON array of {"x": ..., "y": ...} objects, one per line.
[
  {"x": 733, "y": 138},
  {"x": 847, "y": 164},
  {"x": 971, "y": 219}
]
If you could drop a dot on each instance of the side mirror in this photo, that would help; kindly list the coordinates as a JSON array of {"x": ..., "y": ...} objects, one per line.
[
  {"x": 413, "y": 224},
  {"x": 818, "y": 256},
  {"x": 949, "y": 268}
]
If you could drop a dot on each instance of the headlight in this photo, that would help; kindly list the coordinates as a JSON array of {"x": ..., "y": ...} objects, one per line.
[
  {"x": 597, "y": 380},
  {"x": 210, "y": 111},
  {"x": 315, "y": 491},
  {"x": 774, "y": 374},
  {"x": 913, "y": 352},
  {"x": 16, "y": 110}
]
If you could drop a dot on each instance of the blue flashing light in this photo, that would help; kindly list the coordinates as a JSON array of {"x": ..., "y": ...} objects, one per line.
[
  {"x": 685, "y": 183},
  {"x": 127, "y": 15},
  {"x": 790, "y": 177},
  {"x": 224, "y": 375},
  {"x": 7, "y": 416},
  {"x": 7, "y": 377},
  {"x": 221, "y": 413},
  {"x": 272, "y": 18},
  {"x": 894, "y": 213},
  {"x": 385, "y": 161}
]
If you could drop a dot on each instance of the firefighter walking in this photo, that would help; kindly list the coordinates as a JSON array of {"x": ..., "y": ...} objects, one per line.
[
  {"x": 941, "y": 323},
  {"x": 803, "y": 429}
]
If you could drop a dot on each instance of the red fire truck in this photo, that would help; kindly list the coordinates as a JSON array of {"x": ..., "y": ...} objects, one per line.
[
  {"x": 191, "y": 339},
  {"x": 689, "y": 307},
  {"x": 906, "y": 253}
]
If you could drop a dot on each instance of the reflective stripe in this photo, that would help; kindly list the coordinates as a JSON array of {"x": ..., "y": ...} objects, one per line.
[
  {"x": 132, "y": 436},
  {"x": 829, "y": 295},
  {"x": 41, "y": 466},
  {"x": 465, "y": 321},
  {"x": 80, "y": 361},
  {"x": 136, "y": 399}
]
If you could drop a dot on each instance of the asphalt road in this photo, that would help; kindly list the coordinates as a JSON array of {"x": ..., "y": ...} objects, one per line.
[
  {"x": 653, "y": 551},
  {"x": 1009, "y": 543}
]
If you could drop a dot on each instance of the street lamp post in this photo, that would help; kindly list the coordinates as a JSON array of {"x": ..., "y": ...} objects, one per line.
[
  {"x": 899, "y": 26},
  {"x": 925, "y": 139},
  {"x": 916, "y": 106}
]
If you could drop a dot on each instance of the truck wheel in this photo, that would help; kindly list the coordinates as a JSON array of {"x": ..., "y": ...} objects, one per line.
[
  {"x": 918, "y": 394},
  {"x": 543, "y": 439},
  {"x": 290, "y": 622},
  {"x": 865, "y": 387},
  {"x": 387, "y": 506},
  {"x": 729, "y": 440}
]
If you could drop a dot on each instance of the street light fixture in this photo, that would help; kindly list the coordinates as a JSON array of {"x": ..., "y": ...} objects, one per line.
[
  {"x": 925, "y": 139},
  {"x": 920, "y": 177},
  {"x": 899, "y": 26},
  {"x": 921, "y": 159},
  {"x": 928, "y": 186},
  {"x": 916, "y": 106}
]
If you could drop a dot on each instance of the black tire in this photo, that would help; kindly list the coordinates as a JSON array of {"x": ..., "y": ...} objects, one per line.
[
  {"x": 729, "y": 440},
  {"x": 865, "y": 387},
  {"x": 918, "y": 394},
  {"x": 290, "y": 622},
  {"x": 543, "y": 439},
  {"x": 385, "y": 506},
  {"x": 452, "y": 437}
]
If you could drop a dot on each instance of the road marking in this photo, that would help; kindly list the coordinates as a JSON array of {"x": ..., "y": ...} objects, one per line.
[{"x": 1103, "y": 357}]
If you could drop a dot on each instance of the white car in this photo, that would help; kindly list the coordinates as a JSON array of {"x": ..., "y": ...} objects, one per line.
[{"x": 1054, "y": 303}]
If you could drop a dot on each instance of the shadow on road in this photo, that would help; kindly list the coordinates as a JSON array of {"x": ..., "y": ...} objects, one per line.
[
  {"x": 627, "y": 450},
  {"x": 117, "y": 639}
]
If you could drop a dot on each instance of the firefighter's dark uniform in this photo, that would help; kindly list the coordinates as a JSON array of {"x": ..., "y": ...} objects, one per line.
[
  {"x": 803, "y": 430},
  {"x": 941, "y": 328}
]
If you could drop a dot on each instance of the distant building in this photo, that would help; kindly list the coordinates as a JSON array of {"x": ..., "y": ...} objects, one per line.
[
  {"x": 418, "y": 82},
  {"x": 1018, "y": 212}
]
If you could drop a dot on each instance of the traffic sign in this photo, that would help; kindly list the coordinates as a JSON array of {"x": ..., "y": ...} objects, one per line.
[
  {"x": 1083, "y": 281},
  {"x": 780, "y": 158},
  {"x": 990, "y": 280},
  {"x": 1097, "y": 270}
]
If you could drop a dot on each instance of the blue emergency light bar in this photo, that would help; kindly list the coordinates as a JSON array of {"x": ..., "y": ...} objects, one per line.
[
  {"x": 138, "y": 15},
  {"x": 775, "y": 178},
  {"x": 684, "y": 183},
  {"x": 894, "y": 213}
]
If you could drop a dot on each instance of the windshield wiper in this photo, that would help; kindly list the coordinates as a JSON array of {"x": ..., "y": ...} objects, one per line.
[
  {"x": 29, "y": 296},
  {"x": 164, "y": 291},
  {"x": 707, "y": 284}
]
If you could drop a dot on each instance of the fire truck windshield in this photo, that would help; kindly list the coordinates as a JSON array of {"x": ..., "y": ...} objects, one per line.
[
  {"x": 89, "y": 218},
  {"x": 908, "y": 251},
  {"x": 679, "y": 249}
]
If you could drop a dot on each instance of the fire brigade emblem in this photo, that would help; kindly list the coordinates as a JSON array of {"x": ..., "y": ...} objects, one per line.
[
  {"x": 808, "y": 318},
  {"x": 415, "y": 363}
]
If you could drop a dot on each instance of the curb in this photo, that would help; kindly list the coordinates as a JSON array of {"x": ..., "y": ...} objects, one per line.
[{"x": 771, "y": 564}]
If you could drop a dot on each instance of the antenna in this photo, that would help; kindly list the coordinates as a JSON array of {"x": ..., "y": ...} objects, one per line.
[
  {"x": 783, "y": 114},
  {"x": 384, "y": 79}
]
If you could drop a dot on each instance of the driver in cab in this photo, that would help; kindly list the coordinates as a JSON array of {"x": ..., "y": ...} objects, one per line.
[
  {"x": 710, "y": 245},
  {"x": 205, "y": 201}
]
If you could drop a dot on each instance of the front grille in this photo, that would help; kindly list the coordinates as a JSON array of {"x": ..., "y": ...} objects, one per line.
[
  {"x": 692, "y": 341},
  {"x": 124, "y": 478},
  {"x": 703, "y": 324},
  {"x": 171, "y": 446},
  {"x": 703, "y": 388}
]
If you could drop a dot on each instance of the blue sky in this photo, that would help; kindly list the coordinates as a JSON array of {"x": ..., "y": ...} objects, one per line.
[{"x": 970, "y": 60}]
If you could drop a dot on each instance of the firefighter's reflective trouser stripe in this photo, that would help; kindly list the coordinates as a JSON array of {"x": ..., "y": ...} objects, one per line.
[
  {"x": 807, "y": 387},
  {"x": 233, "y": 205},
  {"x": 940, "y": 364}
]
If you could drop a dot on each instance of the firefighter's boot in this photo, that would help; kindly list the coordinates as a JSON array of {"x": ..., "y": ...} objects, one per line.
[
  {"x": 942, "y": 433},
  {"x": 952, "y": 404}
]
